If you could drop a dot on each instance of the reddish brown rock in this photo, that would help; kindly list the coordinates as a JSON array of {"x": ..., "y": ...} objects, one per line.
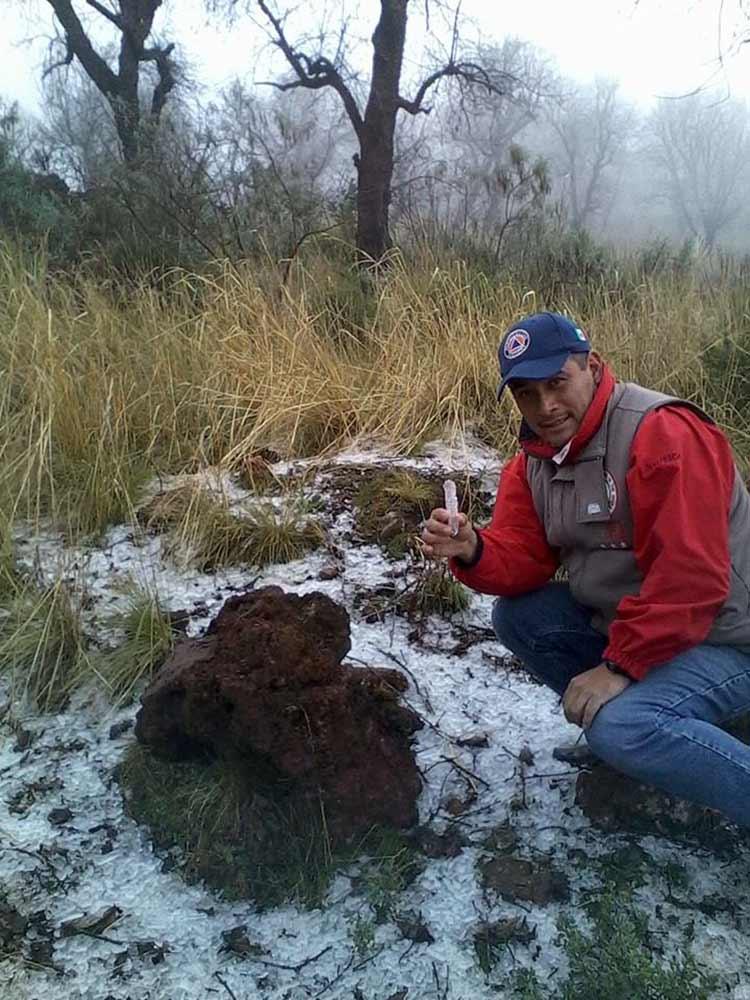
[
  {"x": 266, "y": 687},
  {"x": 616, "y": 803}
]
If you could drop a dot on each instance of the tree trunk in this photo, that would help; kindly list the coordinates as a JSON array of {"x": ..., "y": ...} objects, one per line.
[
  {"x": 375, "y": 164},
  {"x": 134, "y": 21},
  {"x": 125, "y": 104}
]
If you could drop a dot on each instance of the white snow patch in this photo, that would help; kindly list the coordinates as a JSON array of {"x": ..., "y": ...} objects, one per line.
[{"x": 101, "y": 858}]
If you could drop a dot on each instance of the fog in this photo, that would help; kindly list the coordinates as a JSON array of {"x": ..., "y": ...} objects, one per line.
[{"x": 626, "y": 120}]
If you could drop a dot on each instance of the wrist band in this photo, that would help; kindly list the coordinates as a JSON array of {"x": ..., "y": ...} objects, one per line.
[{"x": 614, "y": 668}]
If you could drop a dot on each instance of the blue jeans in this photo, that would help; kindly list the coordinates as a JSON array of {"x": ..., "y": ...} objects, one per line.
[{"x": 663, "y": 730}]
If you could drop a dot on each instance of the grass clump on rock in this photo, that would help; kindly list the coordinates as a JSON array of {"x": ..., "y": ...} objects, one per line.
[
  {"x": 390, "y": 507},
  {"x": 392, "y": 504},
  {"x": 248, "y": 843}
]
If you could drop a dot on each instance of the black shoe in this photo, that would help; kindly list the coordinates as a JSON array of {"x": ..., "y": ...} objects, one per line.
[{"x": 576, "y": 754}]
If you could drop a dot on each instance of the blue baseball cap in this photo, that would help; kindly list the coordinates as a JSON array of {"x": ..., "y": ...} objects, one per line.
[{"x": 538, "y": 346}]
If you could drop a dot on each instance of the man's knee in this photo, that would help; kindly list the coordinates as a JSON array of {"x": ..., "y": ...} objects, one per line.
[
  {"x": 619, "y": 737},
  {"x": 502, "y": 619},
  {"x": 513, "y": 621}
]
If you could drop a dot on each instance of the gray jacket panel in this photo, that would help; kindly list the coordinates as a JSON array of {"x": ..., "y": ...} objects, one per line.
[{"x": 585, "y": 509}]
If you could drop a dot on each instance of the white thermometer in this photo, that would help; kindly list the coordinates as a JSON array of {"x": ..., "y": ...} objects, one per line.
[{"x": 451, "y": 505}]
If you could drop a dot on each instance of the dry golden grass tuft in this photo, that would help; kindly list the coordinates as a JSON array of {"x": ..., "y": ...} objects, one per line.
[
  {"x": 148, "y": 639},
  {"x": 42, "y": 649},
  {"x": 206, "y": 534},
  {"x": 101, "y": 388}
]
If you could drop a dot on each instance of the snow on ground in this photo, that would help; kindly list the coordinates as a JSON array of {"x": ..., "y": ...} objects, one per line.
[{"x": 167, "y": 944}]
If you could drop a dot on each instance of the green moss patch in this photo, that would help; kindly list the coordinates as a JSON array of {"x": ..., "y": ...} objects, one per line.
[{"x": 249, "y": 843}]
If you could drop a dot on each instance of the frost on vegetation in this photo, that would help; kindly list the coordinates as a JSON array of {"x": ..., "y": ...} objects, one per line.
[
  {"x": 210, "y": 892},
  {"x": 206, "y": 533},
  {"x": 42, "y": 647},
  {"x": 148, "y": 634}
]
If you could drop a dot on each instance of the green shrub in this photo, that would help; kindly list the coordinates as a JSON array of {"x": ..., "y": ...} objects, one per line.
[{"x": 616, "y": 958}]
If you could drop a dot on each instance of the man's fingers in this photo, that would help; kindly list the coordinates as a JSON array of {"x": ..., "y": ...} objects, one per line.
[
  {"x": 590, "y": 712},
  {"x": 569, "y": 706},
  {"x": 438, "y": 525},
  {"x": 575, "y": 703}
]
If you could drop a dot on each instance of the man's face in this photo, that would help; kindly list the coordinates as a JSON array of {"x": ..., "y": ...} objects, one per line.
[{"x": 554, "y": 407}]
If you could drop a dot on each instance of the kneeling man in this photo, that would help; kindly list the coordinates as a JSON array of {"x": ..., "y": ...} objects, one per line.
[{"x": 637, "y": 496}]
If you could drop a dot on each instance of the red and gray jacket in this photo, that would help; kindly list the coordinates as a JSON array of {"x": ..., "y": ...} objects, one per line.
[{"x": 647, "y": 513}]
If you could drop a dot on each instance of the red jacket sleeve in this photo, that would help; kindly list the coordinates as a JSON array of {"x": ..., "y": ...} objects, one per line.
[
  {"x": 515, "y": 556},
  {"x": 680, "y": 483}
]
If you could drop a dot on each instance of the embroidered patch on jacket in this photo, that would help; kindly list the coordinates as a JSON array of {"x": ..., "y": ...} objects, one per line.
[
  {"x": 516, "y": 344},
  {"x": 611, "y": 486}
]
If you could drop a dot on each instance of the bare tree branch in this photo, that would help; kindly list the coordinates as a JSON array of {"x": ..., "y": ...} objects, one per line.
[
  {"x": 313, "y": 74},
  {"x": 106, "y": 12},
  {"x": 77, "y": 41},
  {"x": 470, "y": 73},
  {"x": 69, "y": 57},
  {"x": 165, "y": 69}
]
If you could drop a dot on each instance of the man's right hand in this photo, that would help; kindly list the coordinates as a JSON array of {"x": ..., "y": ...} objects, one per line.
[{"x": 437, "y": 542}]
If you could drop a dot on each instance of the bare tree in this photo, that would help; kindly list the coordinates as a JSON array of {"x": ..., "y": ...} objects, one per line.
[
  {"x": 592, "y": 128},
  {"x": 518, "y": 189},
  {"x": 455, "y": 176},
  {"x": 76, "y": 135},
  {"x": 700, "y": 146},
  {"x": 279, "y": 164},
  {"x": 134, "y": 21},
  {"x": 374, "y": 126}
]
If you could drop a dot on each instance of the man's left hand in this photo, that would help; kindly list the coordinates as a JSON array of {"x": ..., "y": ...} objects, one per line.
[{"x": 587, "y": 692}]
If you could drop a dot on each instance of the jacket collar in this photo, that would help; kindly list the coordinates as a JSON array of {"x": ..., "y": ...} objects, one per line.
[{"x": 590, "y": 424}]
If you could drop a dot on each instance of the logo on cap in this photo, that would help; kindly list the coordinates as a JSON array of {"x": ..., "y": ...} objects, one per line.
[{"x": 516, "y": 344}]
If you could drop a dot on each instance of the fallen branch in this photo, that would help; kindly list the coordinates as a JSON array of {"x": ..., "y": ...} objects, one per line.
[
  {"x": 226, "y": 987},
  {"x": 37, "y": 856},
  {"x": 465, "y": 771},
  {"x": 342, "y": 972},
  {"x": 290, "y": 968},
  {"x": 401, "y": 662}
]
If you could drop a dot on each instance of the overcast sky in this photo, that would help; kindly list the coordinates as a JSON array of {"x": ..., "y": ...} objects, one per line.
[{"x": 652, "y": 46}]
